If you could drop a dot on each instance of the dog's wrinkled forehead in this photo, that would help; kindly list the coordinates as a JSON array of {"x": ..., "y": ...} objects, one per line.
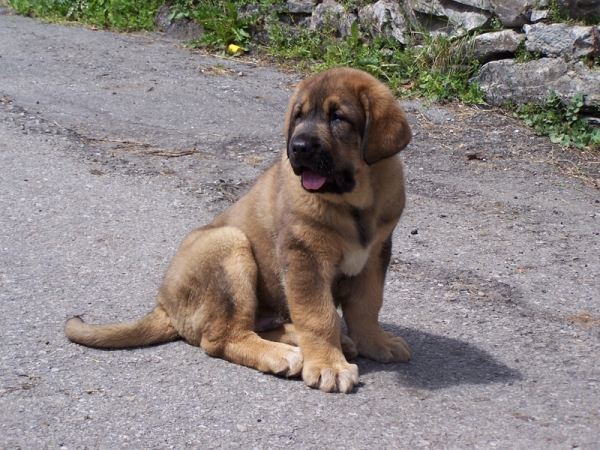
[{"x": 322, "y": 97}]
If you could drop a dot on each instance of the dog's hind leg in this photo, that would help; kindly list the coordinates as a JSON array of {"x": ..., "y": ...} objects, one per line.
[
  {"x": 271, "y": 357},
  {"x": 210, "y": 293},
  {"x": 286, "y": 334}
]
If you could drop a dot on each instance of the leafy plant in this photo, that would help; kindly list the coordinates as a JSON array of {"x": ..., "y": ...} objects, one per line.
[
  {"x": 181, "y": 9},
  {"x": 558, "y": 13},
  {"x": 524, "y": 55},
  {"x": 295, "y": 44},
  {"x": 436, "y": 68},
  {"x": 223, "y": 25},
  {"x": 561, "y": 122},
  {"x": 116, "y": 14},
  {"x": 496, "y": 24},
  {"x": 263, "y": 4}
]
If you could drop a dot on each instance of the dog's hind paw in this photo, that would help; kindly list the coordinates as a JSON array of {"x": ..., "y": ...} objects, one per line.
[
  {"x": 387, "y": 349},
  {"x": 348, "y": 347},
  {"x": 295, "y": 361}
]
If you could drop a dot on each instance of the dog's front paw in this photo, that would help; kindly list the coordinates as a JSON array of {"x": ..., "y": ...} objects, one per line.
[
  {"x": 331, "y": 377},
  {"x": 386, "y": 348}
]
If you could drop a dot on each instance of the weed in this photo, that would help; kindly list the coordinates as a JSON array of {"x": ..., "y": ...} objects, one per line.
[
  {"x": 223, "y": 25},
  {"x": 561, "y": 122},
  {"x": 181, "y": 9},
  {"x": 524, "y": 55},
  {"x": 496, "y": 24},
  {"x": 433, "y": 67},
  {"x": 263, "y": 4},
  {"x": 116, "y": 14},
  {"x": 559, "y": 13},
  {"x": 296, "y": 44}
]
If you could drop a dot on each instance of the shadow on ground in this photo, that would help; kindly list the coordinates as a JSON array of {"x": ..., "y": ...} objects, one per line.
[{"x": 439, "y": 362}]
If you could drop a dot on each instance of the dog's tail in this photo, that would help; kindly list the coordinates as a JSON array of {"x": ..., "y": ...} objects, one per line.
[{"x": 154, "y": 328}]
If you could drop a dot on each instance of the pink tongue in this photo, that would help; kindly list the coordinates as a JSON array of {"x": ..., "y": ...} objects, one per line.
[{"x": 312, "y": 181}]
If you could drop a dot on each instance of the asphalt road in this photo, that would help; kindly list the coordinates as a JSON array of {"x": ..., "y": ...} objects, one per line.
[{"x": 113, "y": 147}]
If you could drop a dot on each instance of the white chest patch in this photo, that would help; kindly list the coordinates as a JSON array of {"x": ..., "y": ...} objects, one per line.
[{"x": 354, "y": 260}]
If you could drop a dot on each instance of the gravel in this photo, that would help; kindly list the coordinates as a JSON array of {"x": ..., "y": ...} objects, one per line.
[{"x": 493, "y": 281}]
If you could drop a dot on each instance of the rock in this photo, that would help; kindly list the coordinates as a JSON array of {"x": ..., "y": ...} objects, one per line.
[
  {"x": 248, "y": 10},
  {"x": 513, "y": 13},
  {"x": 454, "y": 14},
  {"x": 383, "y": 18},
  {"x": 480, "y": 4},
  {"x": 466, "y": 17},
  {"x": 539, "y": 14},
  {"x": 434, "y": 25},
  {"x": 431, "y": 7},
  {"x": 492, "y": 45},
  {"x": 507, "y": 80},
  {"x": 183, "y": 29},
  {"x": 332, "y": 15},
  {"x": 560, "y": 40},
  {"x": 581, "y": 8},
  {"x": 300, "y": 7}
]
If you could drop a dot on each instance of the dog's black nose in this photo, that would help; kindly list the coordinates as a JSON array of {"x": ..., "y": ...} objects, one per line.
[{"x": 303, "y": 145}]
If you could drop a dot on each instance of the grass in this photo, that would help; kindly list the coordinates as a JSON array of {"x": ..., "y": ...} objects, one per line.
[
  {"x": 121, "y": 15},
  {"x": 560, "y": 121},
  {"x": 524, "y": 55},
  {"x": 436, "y": 68},
  {"x": 223, "y": 25},
  {"x": 431, "y": 67},
  {"x": 560, "y": 14}
]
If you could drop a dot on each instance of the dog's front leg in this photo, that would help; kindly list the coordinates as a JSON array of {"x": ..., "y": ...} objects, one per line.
[
  {"x": 361, "y": 311},
  {"x": 308, "y": 289}
]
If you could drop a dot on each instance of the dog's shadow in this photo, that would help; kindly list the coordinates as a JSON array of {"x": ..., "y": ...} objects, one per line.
[{"x": 439, "y": 362}]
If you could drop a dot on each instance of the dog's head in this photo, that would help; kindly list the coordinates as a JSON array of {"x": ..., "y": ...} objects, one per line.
[{"x": 337, "y": 122}]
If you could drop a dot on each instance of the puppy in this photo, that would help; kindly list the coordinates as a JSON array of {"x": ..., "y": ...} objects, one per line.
[{"x": 260, "y": 285}]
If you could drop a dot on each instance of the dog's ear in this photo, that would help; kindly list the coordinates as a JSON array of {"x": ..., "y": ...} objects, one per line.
[
  {"x": 289, "y": 124},
  {"x": 386, "y": 129}
]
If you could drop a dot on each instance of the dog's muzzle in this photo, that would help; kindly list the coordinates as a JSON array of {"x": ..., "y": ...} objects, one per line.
[
  {"x": 316, "y": 167},
  {"x": 310, "y": 161}
]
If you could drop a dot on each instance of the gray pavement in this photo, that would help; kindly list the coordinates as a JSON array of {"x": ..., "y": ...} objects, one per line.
[{"x": 114, "y": 146}]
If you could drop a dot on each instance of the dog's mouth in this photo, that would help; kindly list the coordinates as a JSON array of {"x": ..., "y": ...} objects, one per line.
[
  {"x": 312, "y": 181},
  {"x": 337, "y": 183}
]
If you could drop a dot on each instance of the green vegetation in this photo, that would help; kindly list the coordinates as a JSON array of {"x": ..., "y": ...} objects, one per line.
[
  {"x": 116, "y": 14},
  {"x": 524, "y": 55},
  {"x": 558, "y": 14},
  {"x": 436, "y": 68},
  {"x": 561, "y": 122},
  {"x": 222, "y": 23},
  {"x": 431, "y": 67}
]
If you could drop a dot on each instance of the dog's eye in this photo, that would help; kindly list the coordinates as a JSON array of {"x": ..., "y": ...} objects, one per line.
[{"x": 337, "y": 117}]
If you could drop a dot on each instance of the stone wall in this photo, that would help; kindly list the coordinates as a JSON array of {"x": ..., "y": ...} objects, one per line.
[
  {"x": 562, "y": 49},
  {"x": 559, "y": 47}
]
